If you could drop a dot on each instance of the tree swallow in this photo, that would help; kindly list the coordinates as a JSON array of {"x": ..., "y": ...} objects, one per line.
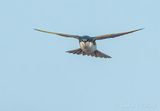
[{"x": 88, "y": 44}]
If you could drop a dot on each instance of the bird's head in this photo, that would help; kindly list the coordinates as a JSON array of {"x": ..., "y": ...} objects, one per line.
[{"x": 85, "y": 38}]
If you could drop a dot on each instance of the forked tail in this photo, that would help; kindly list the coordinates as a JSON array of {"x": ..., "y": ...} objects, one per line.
[{"x": 96, "y": 53}]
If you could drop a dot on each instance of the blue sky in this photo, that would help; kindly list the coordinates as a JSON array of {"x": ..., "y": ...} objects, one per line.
[{"x": 36, "y": 74}]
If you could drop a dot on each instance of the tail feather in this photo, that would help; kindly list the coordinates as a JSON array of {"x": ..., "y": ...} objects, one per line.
[
  {"x": 95, "y": 53},
  {"x": 101, "y": 54},
  {"x": 79, "y": 52},
  {"x": 74, "y": 51},
  {"x": 83, "y": 53}
]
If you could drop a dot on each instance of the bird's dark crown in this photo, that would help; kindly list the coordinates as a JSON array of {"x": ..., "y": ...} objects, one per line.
[{"x": 86, "y": 38}]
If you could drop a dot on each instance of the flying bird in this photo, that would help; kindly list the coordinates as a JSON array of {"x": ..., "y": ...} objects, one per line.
[{"x": 88, "y": 44}]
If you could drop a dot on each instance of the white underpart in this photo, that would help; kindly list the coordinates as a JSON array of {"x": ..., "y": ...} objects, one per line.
[{"x": 88, "y": 47}]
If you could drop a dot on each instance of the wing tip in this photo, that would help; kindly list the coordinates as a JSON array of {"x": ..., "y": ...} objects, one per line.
[
  {"x": 37, "y": 29},
  {"x": 139, "y": 29}
]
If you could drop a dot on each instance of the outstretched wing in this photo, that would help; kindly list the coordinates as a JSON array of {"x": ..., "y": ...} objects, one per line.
[
  {"x": 106, "y": 36},
  {"x": 60, "y": 34}
]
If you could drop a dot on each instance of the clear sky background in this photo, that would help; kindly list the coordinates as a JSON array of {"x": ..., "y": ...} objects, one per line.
[{"x": 37, "y": 75}]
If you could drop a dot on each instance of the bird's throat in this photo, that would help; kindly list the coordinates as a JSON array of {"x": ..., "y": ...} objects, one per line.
[{"x": 88, "y": 47}]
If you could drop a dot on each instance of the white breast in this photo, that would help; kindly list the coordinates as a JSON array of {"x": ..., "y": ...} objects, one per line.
[{"x": 88, "y": 47}]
